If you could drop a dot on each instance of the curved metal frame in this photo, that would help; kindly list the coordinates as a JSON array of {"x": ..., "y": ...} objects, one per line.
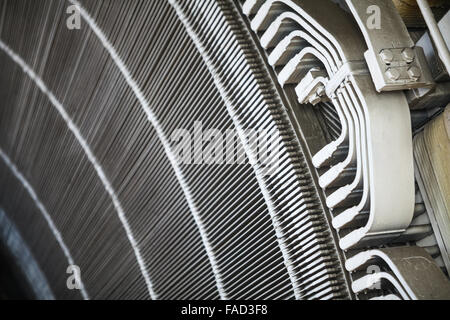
[{"x": 377, "y": 153}]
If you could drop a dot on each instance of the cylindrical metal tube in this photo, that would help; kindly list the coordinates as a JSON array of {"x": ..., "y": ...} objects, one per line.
[{"x": 436, "y": 34}]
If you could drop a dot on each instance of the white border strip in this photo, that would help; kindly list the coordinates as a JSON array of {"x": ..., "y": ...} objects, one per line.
[
  {"x": 165, "y": 142},
  {"x": 71, "y": 125},
  {"x": 44, "y": 212}
]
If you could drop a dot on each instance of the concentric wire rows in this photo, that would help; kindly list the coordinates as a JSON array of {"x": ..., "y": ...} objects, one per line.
[
  {"x": 90, "y": 174},
  {"x": 88, "y": 127}
]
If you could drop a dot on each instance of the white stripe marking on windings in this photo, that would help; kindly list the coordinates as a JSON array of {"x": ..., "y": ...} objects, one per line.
[
  {"x": 251, "y": 156},
  {"x": 165, "y": 142},
  {"x": 44, "y": 212},
  {"x": 107, "y": 185}
]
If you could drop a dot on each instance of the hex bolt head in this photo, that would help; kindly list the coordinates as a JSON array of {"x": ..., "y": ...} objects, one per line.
[
  {"x": 393, "y": 74},
  {"x": 320, "y": 91},
  {"x": 414, "y": 73},
  {"x": 387, "y": 56},
  {"x": 408, "y": 55}
]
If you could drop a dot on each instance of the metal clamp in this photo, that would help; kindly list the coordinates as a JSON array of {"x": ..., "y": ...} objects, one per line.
[{"x": 393, "y": 60}]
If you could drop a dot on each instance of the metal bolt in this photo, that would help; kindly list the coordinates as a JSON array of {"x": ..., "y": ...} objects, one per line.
[
  {"x": 414, "y": 73},
  {"x": 408, "y": 55},
  {"x": 387, "y": 56},
  {"x": 320, "y": 91},
  {"x": 393, "y": 74},
  {"x": 314, "y": 99}
]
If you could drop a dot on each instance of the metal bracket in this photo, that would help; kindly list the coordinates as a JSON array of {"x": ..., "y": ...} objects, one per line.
[
  {"x": 412, "y": 272},
  {"x": 393, "y": 60}
]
